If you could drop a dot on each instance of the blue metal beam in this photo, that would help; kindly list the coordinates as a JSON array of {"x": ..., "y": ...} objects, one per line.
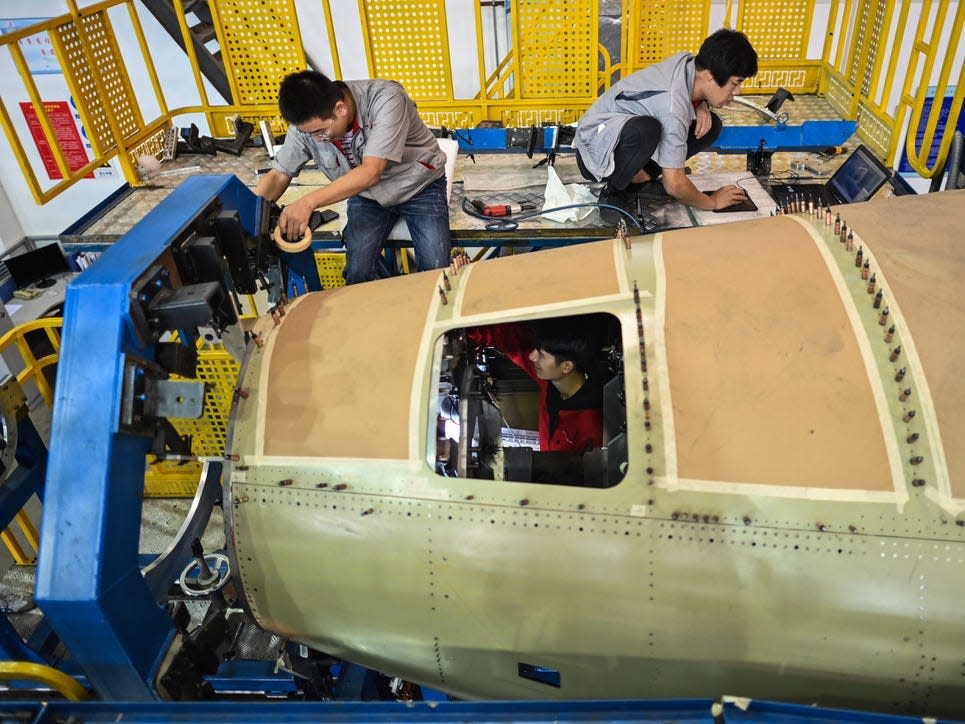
[
  {"x": 88, "y": 582},
  {"x": 682, "y": 711},
  {"x": 809, "y": 136}
]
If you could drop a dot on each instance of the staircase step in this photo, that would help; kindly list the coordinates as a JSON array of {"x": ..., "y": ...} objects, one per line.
[
  {"x": 203, "y": 32},
  {"x": 210, "y": 64},
  {"x": 200, "y": 9}
]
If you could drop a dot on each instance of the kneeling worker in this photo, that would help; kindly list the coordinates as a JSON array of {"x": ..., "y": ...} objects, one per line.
[
  {"x": 649, "y": 123},
  {"x": 367, "y": 137}
]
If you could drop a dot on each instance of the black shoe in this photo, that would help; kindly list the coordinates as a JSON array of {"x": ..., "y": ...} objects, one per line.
[{"x": 620, "y": 199}]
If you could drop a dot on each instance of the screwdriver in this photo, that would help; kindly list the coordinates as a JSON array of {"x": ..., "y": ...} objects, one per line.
[{"x": 500, "y": 209}]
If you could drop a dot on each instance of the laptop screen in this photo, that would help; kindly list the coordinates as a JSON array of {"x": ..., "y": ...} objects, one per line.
[{"x": 859, "y": 177}]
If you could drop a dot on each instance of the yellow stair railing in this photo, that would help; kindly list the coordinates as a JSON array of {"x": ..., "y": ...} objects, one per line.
[{"x": 36, "y": 371}]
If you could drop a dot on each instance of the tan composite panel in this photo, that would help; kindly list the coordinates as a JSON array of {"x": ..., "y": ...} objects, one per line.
[
  {"x": 767, "y": 380},
  {"x": 530, "y": 280},
  {"x": 918, "y": 241},
  {"x": 329, "y": 389}
]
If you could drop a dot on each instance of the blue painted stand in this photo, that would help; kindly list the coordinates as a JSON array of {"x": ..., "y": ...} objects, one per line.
[{"x": 89, "y": 585}]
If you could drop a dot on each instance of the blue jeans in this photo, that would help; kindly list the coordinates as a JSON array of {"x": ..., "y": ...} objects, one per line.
[{"x": 369, "y": 223}]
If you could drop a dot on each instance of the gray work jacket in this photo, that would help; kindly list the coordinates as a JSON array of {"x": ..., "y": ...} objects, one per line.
[
  {"x": 390, "y": 128},
  {"x": 662, "y": 91}
]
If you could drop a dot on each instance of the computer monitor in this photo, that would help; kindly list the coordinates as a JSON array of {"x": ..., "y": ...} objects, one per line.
[
  {"x": 37, "y": 267},
  {"x": 859, "y": 177}
]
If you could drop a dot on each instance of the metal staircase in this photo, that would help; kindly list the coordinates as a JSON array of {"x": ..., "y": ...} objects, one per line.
[{"x": 202, "y": 34}]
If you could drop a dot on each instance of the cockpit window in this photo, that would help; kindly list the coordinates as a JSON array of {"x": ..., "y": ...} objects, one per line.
[{"x": 537, "y": 400}]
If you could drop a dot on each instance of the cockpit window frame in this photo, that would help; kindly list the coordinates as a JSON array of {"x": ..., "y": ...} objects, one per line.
[{"x": 601, "y": 466}]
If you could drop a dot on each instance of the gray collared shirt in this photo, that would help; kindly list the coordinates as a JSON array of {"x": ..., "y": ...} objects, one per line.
[
  {"x": 662, "y": 91},
  {"x": 390, "y": 128}
]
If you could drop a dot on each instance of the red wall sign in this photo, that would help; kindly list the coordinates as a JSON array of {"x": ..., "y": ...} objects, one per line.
[{"x": 65, "y": 131}]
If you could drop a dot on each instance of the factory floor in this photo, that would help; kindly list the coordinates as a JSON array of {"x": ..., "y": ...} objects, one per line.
[{"x": 504, "y": 177}]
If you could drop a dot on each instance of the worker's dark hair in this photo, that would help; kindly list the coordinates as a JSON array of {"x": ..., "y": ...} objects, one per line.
[
  {"x": 568, "y": 339},
  {"x": 306, "y": 95},
  {"x": 726, "y": 53}
]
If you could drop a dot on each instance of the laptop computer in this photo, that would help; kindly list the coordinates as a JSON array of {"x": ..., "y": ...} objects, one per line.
[{"x": 857, "y": 179}]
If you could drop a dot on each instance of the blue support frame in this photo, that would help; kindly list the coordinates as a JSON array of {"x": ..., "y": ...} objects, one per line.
[
  {"x": 88, "y": 584},
  {"x": 809, "y": 136}
]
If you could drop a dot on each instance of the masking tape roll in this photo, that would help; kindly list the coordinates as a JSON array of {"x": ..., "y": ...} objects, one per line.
[{"x": 292, "y": 247}]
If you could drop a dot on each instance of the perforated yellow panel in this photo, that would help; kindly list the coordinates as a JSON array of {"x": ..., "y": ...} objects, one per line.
[
  {"x": 219, "y": 371},
  {"x": 556, "y": 43},
  {"x": 456, "y": 118},
  {"x": 874, "y": 43},
  {"x": 860, "y": 31},
  {"x": 796, "y": 78},
  {"x": 665, "y": 28},
  {"x": 151, "y": 146},
  {"x": 408, "y": 42},
  {"x": 874, "y": 131},
  {"x": 537, "y": 117},
  {"x": 778, "y": 29},
  {"x": 260, "y": 45},
  {"x": 109, "y": 72},
  {"x": 838, "y": 95},
  {"x": 330, "y": 266}
]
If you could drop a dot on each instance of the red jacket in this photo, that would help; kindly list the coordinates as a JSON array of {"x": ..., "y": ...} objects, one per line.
[{"x": 574, "y": 426}]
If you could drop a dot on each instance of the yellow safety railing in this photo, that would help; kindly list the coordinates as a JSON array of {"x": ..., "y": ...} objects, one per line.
[
  {"x": 64, "y": 684},
  {"x": 554, "y": 69},
  {"x": 864, "y": 49},
  {"x": 924, "y": 52},
  {"x": 95, "y": 70},
  {"x": 658, "y": 28},
  {"x": 35, "y": 370}
]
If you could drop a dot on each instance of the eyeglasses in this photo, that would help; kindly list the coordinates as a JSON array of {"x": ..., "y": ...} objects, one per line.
[{"x": 321, "y": 134}]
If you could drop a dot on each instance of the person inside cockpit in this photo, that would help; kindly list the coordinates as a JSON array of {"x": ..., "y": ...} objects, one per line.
[{"x": 559, "y": 355}]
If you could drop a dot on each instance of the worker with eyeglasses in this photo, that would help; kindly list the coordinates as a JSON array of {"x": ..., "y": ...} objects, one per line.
[{"x": 368, "y": 139}]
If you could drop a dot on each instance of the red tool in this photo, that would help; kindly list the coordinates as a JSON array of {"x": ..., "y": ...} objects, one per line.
[{"x": 499, "y": 209}]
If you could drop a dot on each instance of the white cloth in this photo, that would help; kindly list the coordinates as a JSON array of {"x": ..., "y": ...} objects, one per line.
[{"x": 557, "y": 194}]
